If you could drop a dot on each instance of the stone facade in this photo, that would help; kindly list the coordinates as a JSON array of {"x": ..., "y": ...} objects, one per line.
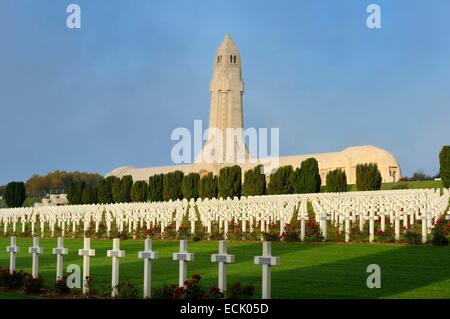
[
  {"x": 53, "y": 200},
  {"x": 226, "y": 111}
]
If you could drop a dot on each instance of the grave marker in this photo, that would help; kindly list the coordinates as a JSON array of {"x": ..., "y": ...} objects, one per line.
[
  {"x": 222, "y": 258},
  {"x": 115, "y": 254},
  {"x": 148, "y": 255},
  {"x": 60, "y": 251},
  {"x": 266, "y": 260},
  {"x": 183, "y": 257},
  {"x": 35, "y": 251},
  {"x": 86, "y": 252},
  {"x": 12, "y": 250}
]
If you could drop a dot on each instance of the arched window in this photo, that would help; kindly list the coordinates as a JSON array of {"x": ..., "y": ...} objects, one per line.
[
  {"x": 231, "y": 59},
  {"x": 234, "y": 59}
]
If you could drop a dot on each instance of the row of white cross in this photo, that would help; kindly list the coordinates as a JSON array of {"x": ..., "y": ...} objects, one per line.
[
  {"x": 342, "y": 209},
  {"x": 182, "y": 256}
]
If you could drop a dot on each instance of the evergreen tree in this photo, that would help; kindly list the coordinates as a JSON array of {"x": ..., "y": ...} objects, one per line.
[
  {"x": 309, "y": 176},
  {"x": 15, "y": 194},
  {"x": 254, "y": 182},
  {"x": 444, "y": 161},
  {"x": 190, "y": 186},
  {"x": 125, "y": 188},
  {"x": 208, "y": 187},
  {"x": 172, "y": 185},
  {"x": 89, "y": 195},
  {"x": 139, "y": 192},
  {"x": 155, "y": 188},
  {"x": 104, "y": 190},
  {"x": 281, "y": 181},
  {"x": 368, "y": 177},
  {"x": 75, "y": 192},
  {"x": 115, "y": 189},
  {"x": 230, "y": 182},
  {"x": 336, "y": 181}
]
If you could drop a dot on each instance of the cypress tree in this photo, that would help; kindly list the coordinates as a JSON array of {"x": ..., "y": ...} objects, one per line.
[
  {"x": 254, "y": 182},
  {"x": 309, "y": 176},
  {"x": 230, "y": 182},
  {"x": 368, "y": 177},
  {"x": 15, "y": 194},
  {"x": 190, "y": 186},
  {"x": 125, "y": 189},
  {"x": 75, "y": 192},
  {"x": 89, "y": 195},
  {"x": 139, "y": 191},
  {"x": 208, "y": 186},
  {"x": 281, "y": 181},
  {"x": 444, "y": 161},
  {"x": 115, "y": 188},
  {"x": 105, "y": 190},
  {"x": 155, "y": 188},
  {"x": 172, "y": 185},
  {"x": 336, "y": 181}
]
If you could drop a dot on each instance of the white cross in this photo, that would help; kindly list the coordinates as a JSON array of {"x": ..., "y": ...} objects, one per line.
[
  {"x": 347, "y": 227},
  {"x": 12, "y": 250},
  {"x": 424, "y": 219},
  {"x": 60, "y": 251},
  {"x": 183, "y": 257},
  {"x": 302, "y": 226},
  {"x": 383, "y": 221},
  {"x": 266, "y": 260},
  {"x": 148, "y": 255},
  {"x": 323, "y": 221},
  {"x": 222, "y": 258},
  {"x": 115, "y": 254},
  {"x": 397, "y": 219},
  {"x": 86, "y": 252},
  {"x": 35, "y": 250},
  {"x": 371, "y": 219}
]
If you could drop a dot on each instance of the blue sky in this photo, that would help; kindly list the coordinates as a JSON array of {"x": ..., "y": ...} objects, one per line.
[{"x": 110, "y": 93}]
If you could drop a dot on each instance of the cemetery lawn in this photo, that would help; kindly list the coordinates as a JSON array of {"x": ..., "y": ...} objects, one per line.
[{"x": 315, "y": 270}]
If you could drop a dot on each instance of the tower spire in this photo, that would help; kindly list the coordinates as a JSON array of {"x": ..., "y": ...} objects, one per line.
[{"x": 226, "y": 107}]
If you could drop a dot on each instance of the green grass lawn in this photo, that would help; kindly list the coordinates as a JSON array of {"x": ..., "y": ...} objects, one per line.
[
  {"x": 306, "y": 271},
  {"x": 29, "y": 202},
  {"x": 400, "y": 185}
]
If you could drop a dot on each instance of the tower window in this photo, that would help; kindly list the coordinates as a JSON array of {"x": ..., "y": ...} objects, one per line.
[
  {"x": 231, "y": 59},
  {"x": 234, "y": 59}
]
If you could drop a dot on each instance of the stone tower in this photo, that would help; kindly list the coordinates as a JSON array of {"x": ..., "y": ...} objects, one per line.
[{"x": 226, "y": 109}]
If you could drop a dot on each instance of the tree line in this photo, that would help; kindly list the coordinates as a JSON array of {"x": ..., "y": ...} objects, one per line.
[
  {"x": 58, "y": 182},
  {"x": 85, "y": 188},
  {"x": 177, "y": 185}
]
